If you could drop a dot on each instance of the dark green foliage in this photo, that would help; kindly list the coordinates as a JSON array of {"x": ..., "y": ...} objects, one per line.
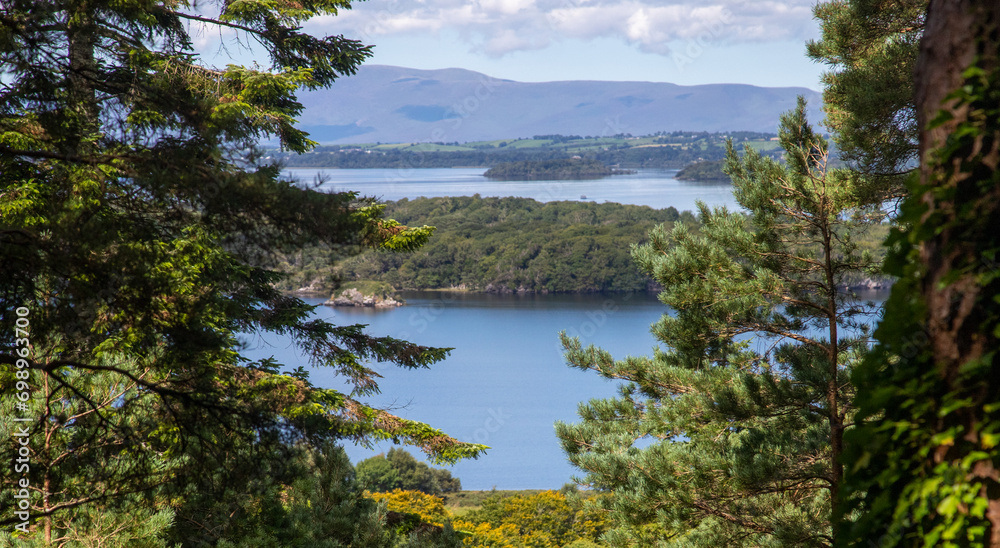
[
  {"x": 922, "y": 466},
  {"x": 660, "y": 151},
  {"x": 139, "y": 229},
  {"x": 703, "y": 171},
  {"x": 377, "y": 474},
  {"x": 317, "y": 503},
  {"x": 446, "y": 537},
  {"x": 515, "y": 244},
  {"x": 549, "y": 170},
  {"x": 871, "y": 47},
  {"x": 730, "y": 434},
  {"x": 399, "y": 470}
]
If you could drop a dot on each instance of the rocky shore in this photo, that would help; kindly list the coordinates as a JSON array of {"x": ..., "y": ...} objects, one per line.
[{"x": 353, "y": 297}]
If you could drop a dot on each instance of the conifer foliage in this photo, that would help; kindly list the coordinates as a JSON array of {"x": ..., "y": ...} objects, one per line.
[
  {"x": 730, "y": 434},
  {"x": 870, "y": 47},
  {"x": 137, "y": 225}
]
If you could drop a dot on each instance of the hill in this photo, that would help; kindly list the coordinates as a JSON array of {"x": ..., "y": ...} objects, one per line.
[
  {"x": 662, "y": 150},
  {"x": 703, "y": 171},
  {"x": 394, "y": 104},
  {"x": 550, "y": 170},
  {"x": 508, "y": 245},
  {"x": 501, "y": 245}
]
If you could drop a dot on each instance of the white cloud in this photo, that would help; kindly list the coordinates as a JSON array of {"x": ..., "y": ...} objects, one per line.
[
  {"x": 204, "y": 36},
  {"x": 498, "y": 27}
]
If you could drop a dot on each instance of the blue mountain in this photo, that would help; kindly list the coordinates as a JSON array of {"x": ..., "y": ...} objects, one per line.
[{"x": 393, "y": 104}]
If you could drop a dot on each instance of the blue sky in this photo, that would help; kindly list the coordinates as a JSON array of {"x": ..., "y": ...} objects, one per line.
[{"x": 759, "y": 42}]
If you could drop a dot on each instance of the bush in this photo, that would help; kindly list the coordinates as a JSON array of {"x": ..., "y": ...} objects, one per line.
[{"x": 399, "y": 470}]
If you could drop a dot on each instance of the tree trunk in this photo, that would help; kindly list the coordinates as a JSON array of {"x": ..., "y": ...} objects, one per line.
[
  {"x": 81, "y": 35},
  {"x": 47, "y": 480},
  {"x": 964, "y": 208},
  {"x": 835, "y": 417}
]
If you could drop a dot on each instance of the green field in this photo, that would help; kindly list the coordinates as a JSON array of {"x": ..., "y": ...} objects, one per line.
[{"x": 662, "y": 150}]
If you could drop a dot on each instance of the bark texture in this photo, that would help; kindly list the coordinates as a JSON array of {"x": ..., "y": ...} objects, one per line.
[{"x": 960, "y": 34}]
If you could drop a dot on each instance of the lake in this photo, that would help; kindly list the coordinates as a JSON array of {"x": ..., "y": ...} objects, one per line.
[
  {"x": 655, "y": 188},
  {"x": 506, "y": 382}
]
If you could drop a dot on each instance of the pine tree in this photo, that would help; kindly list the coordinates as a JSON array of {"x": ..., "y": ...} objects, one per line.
[
  {"x": 870, "y": 47},
  {"x": 731, "y": 434},
  {"x": 138, "y": 230}
]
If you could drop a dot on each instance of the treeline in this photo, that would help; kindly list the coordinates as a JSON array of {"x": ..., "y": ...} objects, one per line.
[
  {"x": 662, "y": 156},
  {"x": 398, "y": 469},
  {"x": 507, "y": 245},
  {"x": 548, "y": 170},
  {"x": 566, "y": 518},
  {"x": 501, "y": 245},
  {"x": 354, "y": 158},
  {"x": 703, "y": 171},
  {"x": 658, "y": 157}
]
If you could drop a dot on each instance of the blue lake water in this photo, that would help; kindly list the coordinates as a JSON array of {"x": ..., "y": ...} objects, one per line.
[
  {"x": 655, "y": 188},
  {"x": 506, "y": 383}
]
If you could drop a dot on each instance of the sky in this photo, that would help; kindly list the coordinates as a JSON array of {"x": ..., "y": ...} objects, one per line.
[{"x": 687, "y": 42}]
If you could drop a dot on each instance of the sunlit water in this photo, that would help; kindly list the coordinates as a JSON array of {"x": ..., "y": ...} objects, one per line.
[
  {"x": 655, "y": 188},
  {"x": 505, "y": 383}
]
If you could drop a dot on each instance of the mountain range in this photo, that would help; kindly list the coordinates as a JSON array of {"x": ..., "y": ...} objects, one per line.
[{"x": 395, "y": 105}]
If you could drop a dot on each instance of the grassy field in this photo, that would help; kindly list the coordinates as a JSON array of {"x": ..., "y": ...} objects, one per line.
[
  {"x": 575, "y": 144},
  {"x": 463, "y": 502},
  {"x": 466, "y": 501},
  {"x": 659, "y": 151}
]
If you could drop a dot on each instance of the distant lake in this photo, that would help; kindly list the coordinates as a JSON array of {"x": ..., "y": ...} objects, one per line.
[
  {"x": 655, "y": 188},
  {"x": 505, "y": 383}
]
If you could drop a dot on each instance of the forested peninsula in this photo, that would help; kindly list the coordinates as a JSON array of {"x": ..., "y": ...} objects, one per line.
[
  {"x": 500, "y": 245},
  {"x": 707, "y": 171},
  {"x": 506, "y": 245},
  {"x": 552, "y": 170}
]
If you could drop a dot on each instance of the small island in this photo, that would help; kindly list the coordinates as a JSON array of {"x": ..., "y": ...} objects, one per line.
[
  {"x": 705, "y": 171},
  {"x": 548, "y": 170},
  {"x": 366, "y": 294}
]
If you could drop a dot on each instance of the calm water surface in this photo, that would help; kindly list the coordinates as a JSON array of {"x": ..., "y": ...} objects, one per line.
[
  {"x": 655, "y": 188},
  {"x": 505, "y": 383}
]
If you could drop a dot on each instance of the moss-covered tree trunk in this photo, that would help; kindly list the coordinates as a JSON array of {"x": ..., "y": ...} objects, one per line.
[
  {"x": 959, "y": 154},
  {"x": 922, "y": 465}
]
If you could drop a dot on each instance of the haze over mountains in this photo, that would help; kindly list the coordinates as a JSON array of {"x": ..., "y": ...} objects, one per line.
[{"x": 393, "y": 104}]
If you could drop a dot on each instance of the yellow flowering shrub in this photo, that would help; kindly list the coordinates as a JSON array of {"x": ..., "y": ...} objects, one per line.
[
  {"x": 430, "y": 508},
  {"x": 541, "y": 520}
]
